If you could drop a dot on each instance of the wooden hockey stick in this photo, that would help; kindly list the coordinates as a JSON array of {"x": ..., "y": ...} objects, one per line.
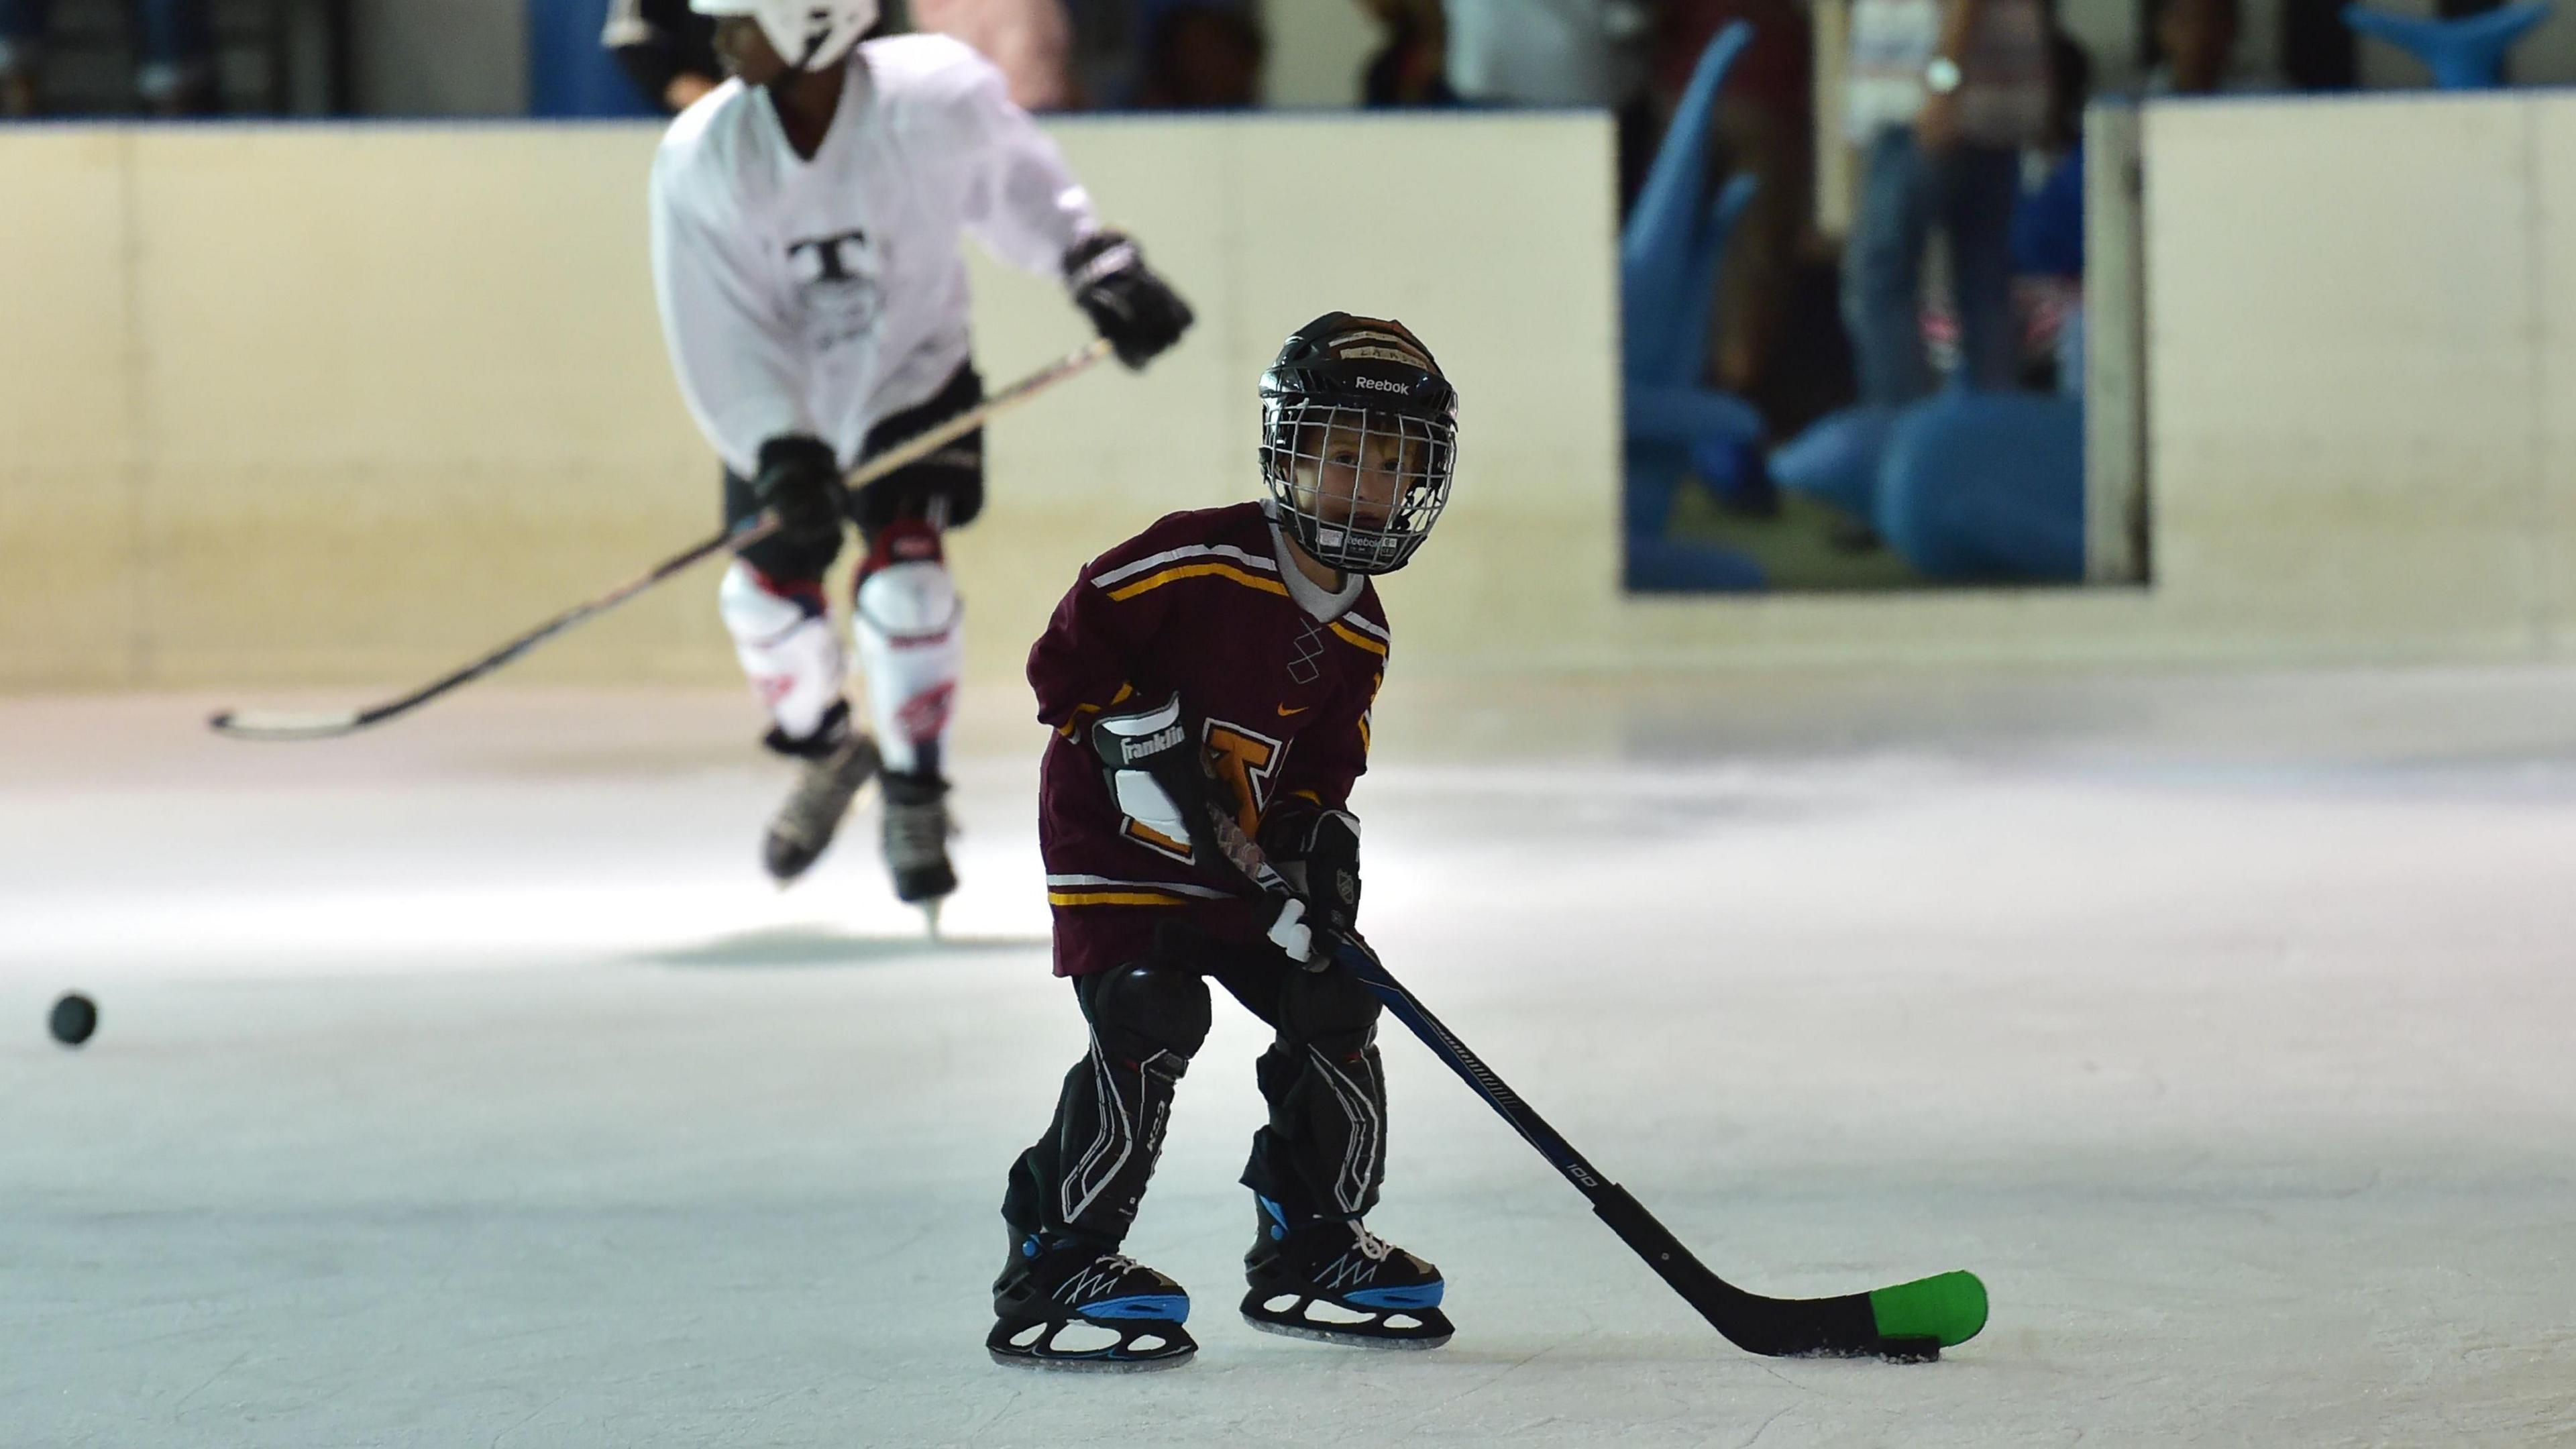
[{"x": 287, "y": 725}]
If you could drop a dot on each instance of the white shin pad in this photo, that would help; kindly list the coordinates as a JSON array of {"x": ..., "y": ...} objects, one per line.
[
  {"x": 787, "y": 647},
  {"x": 912, "y": 646}
]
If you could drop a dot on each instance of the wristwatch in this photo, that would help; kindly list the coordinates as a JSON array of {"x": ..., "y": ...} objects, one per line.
[{"x": 1942, "y": 76}]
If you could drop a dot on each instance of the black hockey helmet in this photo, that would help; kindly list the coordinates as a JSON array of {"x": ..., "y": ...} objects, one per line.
[{"x": 1359, "y": 439}]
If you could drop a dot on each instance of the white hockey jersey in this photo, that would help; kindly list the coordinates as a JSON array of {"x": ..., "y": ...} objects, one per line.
[{"x": 820, "y": 296}]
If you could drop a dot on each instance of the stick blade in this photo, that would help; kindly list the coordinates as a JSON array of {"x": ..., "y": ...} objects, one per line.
[
  {"x": 1947, "y": 1308},
  {"x": 253, "y": 724},
  {"x": 1907, "y": 1323}
]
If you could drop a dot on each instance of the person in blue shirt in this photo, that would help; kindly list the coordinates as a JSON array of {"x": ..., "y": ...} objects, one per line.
[{"x": 174, "y": 43}]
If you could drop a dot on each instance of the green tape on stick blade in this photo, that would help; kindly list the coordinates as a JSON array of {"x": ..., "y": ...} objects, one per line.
[{"x": 1949, "y": 1307}]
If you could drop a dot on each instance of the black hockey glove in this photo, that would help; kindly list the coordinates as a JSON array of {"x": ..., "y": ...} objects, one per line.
[
  {"x": 1160, "y": 777},
  {"x": 1319, "y": 853},
  {"x": 1137, "y": 311},
  {"x": 800, "y": 481}
]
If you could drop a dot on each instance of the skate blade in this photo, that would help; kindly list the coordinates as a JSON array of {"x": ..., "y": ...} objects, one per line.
[
  {"x": 1348, "y": 1337},
  {"x": 930, "y": 918},
  {"x": 1068, "y": 1364}
]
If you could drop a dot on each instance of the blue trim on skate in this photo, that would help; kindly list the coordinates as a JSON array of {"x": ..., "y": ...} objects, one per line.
[
  {"x": 1418, "y": 1295},
  {"x": 1170, "y": 1307},
  {"x": 1278, "y": 1217}
]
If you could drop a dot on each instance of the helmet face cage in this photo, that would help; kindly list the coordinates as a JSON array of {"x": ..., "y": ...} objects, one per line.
[{"x": 1357, "y": 487}]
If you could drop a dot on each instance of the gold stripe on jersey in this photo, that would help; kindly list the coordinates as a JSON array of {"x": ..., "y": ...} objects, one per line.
[
  {"x": 1125, "y": 592},
  {"x": 1074, "y": 722},
  {"x": 1113, "y": 898},
  {"x": 1350, "y": 635}
]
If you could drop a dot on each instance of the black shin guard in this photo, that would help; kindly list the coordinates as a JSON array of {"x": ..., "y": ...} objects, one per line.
[
  {"x": 1323, "y": 1151},
  {"x": 1087, "y": 1174}
]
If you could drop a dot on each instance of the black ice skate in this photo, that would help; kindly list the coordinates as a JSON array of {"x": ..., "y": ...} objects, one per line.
[
  {"x": 1334, "y": 1280},
  {"x": 1067, "y": 1304},
  {"x": 831, "y": 775},
  {"x": 916, "y": 840}
]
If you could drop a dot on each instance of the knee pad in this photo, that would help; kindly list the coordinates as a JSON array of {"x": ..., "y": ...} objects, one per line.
[
  {"x": 777, "y": 557},
  {"x": 911, "y": 643},
  {"x": 1149, "y": 1007},
  {"x": 786, "y": 645},
  {"x": 946, "y": 488},
  {"x": 1330, "y": 1009}
]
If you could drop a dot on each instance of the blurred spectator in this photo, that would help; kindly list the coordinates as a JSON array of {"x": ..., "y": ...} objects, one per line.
[
  {"x": 1412, "y": 67},
  {"x": 2318, "y": 51},
  {"x": 1202, "y": 57},
  {"x": 667, "y": 48},
  {"x": 1545, "y": 52},
  {"x": 2198, "y": 41},
  {"x": 174, "y": 43},
  {"x": 2048, "y": 230},
  {"x": 1031, "y": 40},
  {"x": 1765, "y": 125},
  {"x": 1943, "y": 94},
  {"x": 2070, "y": 90}
]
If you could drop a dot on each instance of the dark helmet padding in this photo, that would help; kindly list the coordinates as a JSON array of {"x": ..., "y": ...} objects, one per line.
[{"x": 1371, "y": 374}]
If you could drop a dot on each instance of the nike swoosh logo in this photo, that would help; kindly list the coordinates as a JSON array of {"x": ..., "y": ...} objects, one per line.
[{"x": 1285, "y": 711}]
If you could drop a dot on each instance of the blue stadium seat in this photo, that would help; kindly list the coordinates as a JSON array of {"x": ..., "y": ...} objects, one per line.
[
  {"x": 2463, "y": 54},
  {"x": 1986, "y": 487},
  {"x": 1668, "y": 260},
  {"x": 570, "y": 74},
  {"x": 1836, "y": 459}
]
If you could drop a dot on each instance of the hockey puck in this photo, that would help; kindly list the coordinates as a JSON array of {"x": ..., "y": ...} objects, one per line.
[{"x": 74, "y": 1018}]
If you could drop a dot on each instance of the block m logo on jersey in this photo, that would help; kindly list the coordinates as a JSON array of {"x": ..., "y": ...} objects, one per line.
[
  {"x": 1246, "y": 761},
  {"x": 837, "y": 280}
]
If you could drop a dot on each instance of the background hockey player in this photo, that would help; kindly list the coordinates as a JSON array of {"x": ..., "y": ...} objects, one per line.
[
  {"x": 1220, "y": 666},
  {"x": 805, "y": 227}
]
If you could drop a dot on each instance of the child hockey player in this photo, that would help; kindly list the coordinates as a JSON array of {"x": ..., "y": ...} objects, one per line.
[
  {"x": 1209, "y": 682},
  {"x": 805, "y": 224}
]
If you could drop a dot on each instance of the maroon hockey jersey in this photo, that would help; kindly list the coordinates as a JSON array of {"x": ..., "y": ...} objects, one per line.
[{"x": 1280, "y": 673}]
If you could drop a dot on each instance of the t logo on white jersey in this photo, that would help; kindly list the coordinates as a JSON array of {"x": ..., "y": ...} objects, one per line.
[
  {"x": 837, "y": 276},
  {"x": 830, "y": 256}
]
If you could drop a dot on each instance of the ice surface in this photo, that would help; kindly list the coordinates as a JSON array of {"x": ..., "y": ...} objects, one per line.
[{"x": 466, "y": 1083}]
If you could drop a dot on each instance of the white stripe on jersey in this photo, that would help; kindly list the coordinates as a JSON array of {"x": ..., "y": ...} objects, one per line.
[
  {"x": 1365, "y": 627},
  {"x": 1203, "y": 892},
  {"x": 1172, "y": 556}
]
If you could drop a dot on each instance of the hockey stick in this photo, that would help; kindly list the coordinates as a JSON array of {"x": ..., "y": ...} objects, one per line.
[
  {"x": 285, "y": 725},
  {"x": 1910, "y": 1322}
]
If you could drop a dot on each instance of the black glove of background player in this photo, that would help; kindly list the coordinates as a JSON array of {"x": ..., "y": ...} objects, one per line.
[
  {"x": 1319, "y": 852},
  {"x": 800, "y": 481},
  {"x": 1137, "y": 311}
]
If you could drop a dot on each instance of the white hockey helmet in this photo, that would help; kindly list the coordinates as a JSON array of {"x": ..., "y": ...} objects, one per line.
[{"x": 807, "y": 34}]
